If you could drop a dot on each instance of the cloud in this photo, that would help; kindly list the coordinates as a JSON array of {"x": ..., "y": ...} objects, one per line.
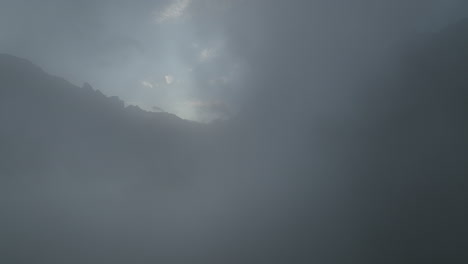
[
  {"x": 173, "y": 11},
  {"x": 169, "y": 79},
  {"x": 207, "y": 55},
  {"x": 147, "y": 84}
]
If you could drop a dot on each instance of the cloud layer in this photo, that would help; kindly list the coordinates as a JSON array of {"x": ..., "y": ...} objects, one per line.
[{"x": 219, "y": 51}]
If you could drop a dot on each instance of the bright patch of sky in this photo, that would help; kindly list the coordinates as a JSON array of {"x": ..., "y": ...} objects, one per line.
[{"x": 185, "y": 67}]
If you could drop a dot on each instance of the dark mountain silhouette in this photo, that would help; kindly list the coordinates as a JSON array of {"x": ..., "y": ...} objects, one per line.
[
  {"x": 87, "y": 180},
  {"x": 49, "y": 123}
]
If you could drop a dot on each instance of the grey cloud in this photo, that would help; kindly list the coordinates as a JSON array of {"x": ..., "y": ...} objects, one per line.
[{"x": 345, "y": 143}]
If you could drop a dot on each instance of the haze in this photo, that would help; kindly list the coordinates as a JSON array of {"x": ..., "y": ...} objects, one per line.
[{"x": 222, "y": 131}]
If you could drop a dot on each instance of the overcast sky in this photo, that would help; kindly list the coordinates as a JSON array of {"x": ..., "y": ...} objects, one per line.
[
  {"x": 347, "y": 140},
  {"x": 200, "y": 59}
]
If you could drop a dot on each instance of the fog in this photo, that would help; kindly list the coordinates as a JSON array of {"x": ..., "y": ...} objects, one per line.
[{"x": 202, "y": 131}]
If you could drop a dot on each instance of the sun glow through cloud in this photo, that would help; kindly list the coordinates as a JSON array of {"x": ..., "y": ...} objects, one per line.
[{"x": 188, "y": 65}]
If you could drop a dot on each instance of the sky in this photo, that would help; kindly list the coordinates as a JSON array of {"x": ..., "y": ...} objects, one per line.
[{"x": 200, "y": 59}]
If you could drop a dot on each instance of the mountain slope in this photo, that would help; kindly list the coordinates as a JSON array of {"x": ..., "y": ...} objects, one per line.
[{"x": 49, "y": 124}]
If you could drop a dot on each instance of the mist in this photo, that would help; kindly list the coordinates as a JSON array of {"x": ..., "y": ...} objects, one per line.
[{"x": 202, "y": 131}]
